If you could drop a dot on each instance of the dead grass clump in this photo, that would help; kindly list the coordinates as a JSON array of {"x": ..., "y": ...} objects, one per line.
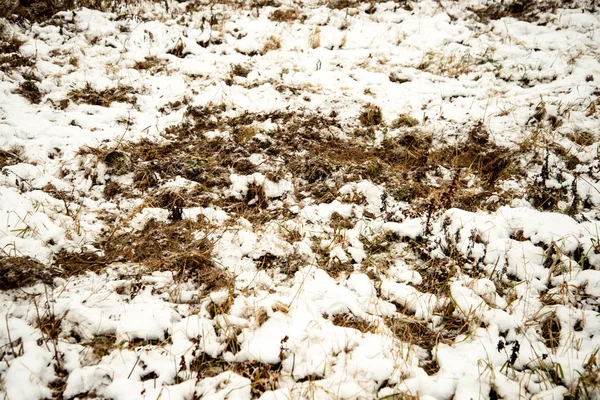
[
  {"x": 112, "y": 189},
  {"x": 10, "y": 57},
  {"x": 451, "y": 65},
  {"x": 103, "y": 345},
  {"x": 206, "y": 366},
  {"x": 178, "y": 50},
  {"x": 152, "y": 64},
  {"x": 288, "y": 15},
  {"x": 33, "y": 10},
  {"x": 582, "y": 138},
  {"x": 351, "y": 321},
  {"x": 30, "y": 91},
  {"x": 525, "y": 10},
  {"x": 371, "y": 115},
  {"x": 173, "y": 247},
  {"x": 118, "y": 162},
  {"x": 103, "y": 98},
  {"x": 263, "y": 377},
  {"x": 49, "y": 325},
  {"x": 240, "y": 70},
  {"x": 416, "y": 332},
  {"x": 11, "y": 157},
  {"x": 73, "y": 264},
  {"x": 550, "y": 331},
  {"x": 325, "y": 164},
  {"x": 17, "y": 272},
  {"x": 272, "y": 43},
  {"x": 587, "y": 386},
  {"x": 404, "y": 120}
]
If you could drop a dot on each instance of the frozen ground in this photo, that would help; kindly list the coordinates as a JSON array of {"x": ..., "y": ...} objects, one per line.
[{"x": 320, "y": 200}]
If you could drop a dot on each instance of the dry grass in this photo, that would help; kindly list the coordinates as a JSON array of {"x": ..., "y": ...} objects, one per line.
[
  {"x": 34, "y": 10},
  {"x": 587, "y": 386},
  {"x": 272, "y": 43},
  {"x": 16, "y": 272},
  {"x": 103, "y": 98},
  {"x": 451, "y": 65},
  {"x": 405, "y": 120},
  {"x": 103, "y": 345},
  {"x": 151, "y": 64},
  {"x": 10, "y": 57},
  {"x": 240, "y": 70},
  {"x": 550, "y": 331},
  {"x": 288, "y": 15},
  {"x": 343, "y": 4},
  {"x": 525, "y": 10},
  {"x": 400, "y": 163},
  {"x": 11, "y": 156},
  {"x": 351, "y": 321},
  {"x": 315, "y": 38},
  {"x": 263, "y": 376},
  {"x": 371, "y": 115}
]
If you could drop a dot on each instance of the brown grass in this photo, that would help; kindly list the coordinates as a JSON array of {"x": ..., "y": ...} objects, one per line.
[
  {"x": 351, "y": 321},
  {"x": 33, "y": 10},
  {"x": 550, "y": 331},
  {"x": 288, "y": 15},
  {"x": 10, "y": 57},
  {"x": 170, "y": 246},
  {"x": 11, "y": 156},
  {"x": 263, "y": 376},
  {"x": 400, "y": 163},
  {"x": 151, "y": 64},
  {"x": 451, "y": 65},
  {"x": 16, "y": 272},
  {"x": 405, "y": 120},
  {"x": 103, "y": 98},
  {"x": 371, "y": 115},
  {"x": 525, "y": 10},
  {"x": 272, "y": 43}
]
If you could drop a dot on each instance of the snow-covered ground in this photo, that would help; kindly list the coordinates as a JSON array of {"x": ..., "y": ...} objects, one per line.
[{"x": 317, "y": 199}]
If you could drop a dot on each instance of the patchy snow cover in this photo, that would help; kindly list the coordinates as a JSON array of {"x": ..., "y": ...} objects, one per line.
[{"x": 361, "y": 295}]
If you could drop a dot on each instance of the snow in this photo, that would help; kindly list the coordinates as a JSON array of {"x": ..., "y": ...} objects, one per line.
[{"x": 356, "y": 295}]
